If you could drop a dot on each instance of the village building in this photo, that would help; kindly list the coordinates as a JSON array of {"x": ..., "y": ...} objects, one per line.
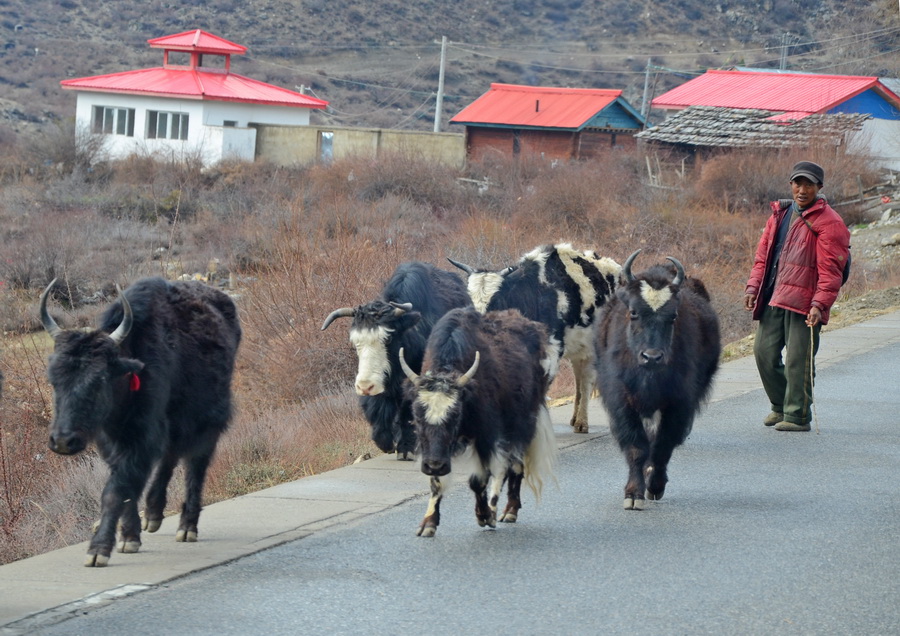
[
  {"x": 772, "y": 109},
  {"x": 192, "y": 107},
  {"x": 555, "y": 123}
]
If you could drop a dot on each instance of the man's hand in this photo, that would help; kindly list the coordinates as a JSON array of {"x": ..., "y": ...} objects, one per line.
[
  {"x": 814, "y": 317},
  {"x": 749, "y": 302}
]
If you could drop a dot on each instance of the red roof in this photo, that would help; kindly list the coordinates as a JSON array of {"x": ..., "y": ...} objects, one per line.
[
  {"x": 194, "y": 82},
  {"x": 798, "y": 92},
  {"x": 513, "y": 105},
  {"x": 199, "y": 41}
]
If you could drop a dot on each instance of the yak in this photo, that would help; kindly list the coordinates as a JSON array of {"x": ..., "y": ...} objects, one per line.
[
  {"x": 482, "y": 386},
  {"x": 563, "y": 288},
  {"x": 150, "y": 387},
  {"x": 658, "y": 349},
  {"x": 411, "y": 302}
]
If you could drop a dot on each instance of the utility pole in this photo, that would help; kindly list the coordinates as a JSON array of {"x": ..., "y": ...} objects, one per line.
[
  {"x": 646, "y": 88},
  {"x": 440, "y": 94},
  {"x": 782, "y": 64}
]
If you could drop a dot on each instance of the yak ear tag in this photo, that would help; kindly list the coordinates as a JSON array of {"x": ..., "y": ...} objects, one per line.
[{"x": 134, "y": 382}]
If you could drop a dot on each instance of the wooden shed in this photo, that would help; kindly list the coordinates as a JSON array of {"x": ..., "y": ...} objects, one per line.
[{"x": 555, "y": 123}]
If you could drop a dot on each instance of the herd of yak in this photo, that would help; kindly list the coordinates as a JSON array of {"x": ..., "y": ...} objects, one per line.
[{"x": 446, "y": 364}]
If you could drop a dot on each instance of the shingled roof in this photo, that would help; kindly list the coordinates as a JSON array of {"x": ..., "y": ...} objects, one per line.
[{"x": 711, "y": 126}]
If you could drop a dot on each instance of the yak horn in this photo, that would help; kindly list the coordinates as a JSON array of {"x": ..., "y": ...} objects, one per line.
[
  {"x": 506, "y": 271},
  {"x": 468, "y": 270},
  {"x": 679, "y": 268},
  {"x": 626, "y": 268},
  {"x": 343, "y": 312},
  {"x": 124, "y": 327},
  {"x": 401, "y": 308},
  {"x": 46, "y": 319},
  {"x": 465, "y": 377},
  {"x": 409, "y": 372}
]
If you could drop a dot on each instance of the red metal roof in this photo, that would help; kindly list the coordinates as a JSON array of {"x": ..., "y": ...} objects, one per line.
[
  {"x": 513, "y": 105},
  {"x": 193, "y": 83},
  {"x": 800, "y": 93},
  {"x": 199, "y": 41}
]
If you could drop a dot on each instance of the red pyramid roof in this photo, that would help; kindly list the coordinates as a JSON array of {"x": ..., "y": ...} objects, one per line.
[{"x": 197, "y": 40}]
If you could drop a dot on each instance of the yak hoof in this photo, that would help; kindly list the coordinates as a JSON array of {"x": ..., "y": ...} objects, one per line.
[
  {"x": 426, "y": 531},
  {"x": 633, "y": 504},
  {"x": 509, "y": 517},
  {"x": 129, "y": 547},
  {"x": 151, "y": 525},
  {"x": 580, "y": 428},
  {"x": 654, "y": 496},
  {"x": 96, "y": 561},
  {"x": 404, "y": 456},
  {"x": 186, "y": 536}
]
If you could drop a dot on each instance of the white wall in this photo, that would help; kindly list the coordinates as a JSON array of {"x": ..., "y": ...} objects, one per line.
[
  {"x": 207, "y": 138},
  {"x": 880, "y": 138}
]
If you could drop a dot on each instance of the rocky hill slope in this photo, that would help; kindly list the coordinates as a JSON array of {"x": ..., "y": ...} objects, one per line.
[{"x": 378, "y": 62}]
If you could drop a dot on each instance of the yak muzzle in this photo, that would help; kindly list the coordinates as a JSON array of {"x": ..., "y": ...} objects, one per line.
[
  {"x": 67, "y": 444},
  {"x": 652, "y": 357},
  {"x": 435, "y": 467}
]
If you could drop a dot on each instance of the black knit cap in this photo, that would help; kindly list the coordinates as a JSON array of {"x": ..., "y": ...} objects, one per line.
[{"x": 810, "y": 170}]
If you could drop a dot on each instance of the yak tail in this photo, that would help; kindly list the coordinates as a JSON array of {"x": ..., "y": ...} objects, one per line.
[{"x": 540, "y": 458}]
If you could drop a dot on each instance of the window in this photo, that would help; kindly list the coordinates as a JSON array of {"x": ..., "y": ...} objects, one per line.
[
  {"x": 108, "y": 120},
  {"x": 163, "y": 125}
]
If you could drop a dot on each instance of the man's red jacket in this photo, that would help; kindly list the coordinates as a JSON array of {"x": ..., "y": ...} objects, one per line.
[{"x": 812, "y": 260}]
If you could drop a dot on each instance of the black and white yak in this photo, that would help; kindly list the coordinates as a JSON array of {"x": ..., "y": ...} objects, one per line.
[
  {"x": 563, "y": 288},
  {"x": 658, "y": 349},
  {"x": 482, "y": 386},
  {"x": 151, "y": 386},
  {"x": 411, "y": 302}
]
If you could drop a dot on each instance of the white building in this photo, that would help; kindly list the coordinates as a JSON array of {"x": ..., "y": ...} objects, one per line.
[{"x": 193, "y": 107}]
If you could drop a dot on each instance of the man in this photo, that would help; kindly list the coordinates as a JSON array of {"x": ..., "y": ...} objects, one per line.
[{"x": 796, "y": 276}]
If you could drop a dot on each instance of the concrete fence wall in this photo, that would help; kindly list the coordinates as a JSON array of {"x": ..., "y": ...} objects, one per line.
[{"x": 301, "y": 145}]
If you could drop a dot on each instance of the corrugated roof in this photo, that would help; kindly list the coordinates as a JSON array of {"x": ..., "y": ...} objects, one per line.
[
  {"x": 193, "y": 83},
  {"x": 197, "y": 40},
  {"x": 803, "y": 93},
  {"x": 533, "y": 106}
]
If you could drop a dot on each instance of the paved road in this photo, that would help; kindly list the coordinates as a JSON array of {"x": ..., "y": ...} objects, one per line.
[{"x": 759, "y": 532}]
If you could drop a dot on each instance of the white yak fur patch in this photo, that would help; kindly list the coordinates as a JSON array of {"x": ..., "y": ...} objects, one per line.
[
  {"x": 437, "y": 405},
  {"x": 371, "y": 349},
  {"x": 482, "y": 287},
  {"x": 656, "y": 298}
]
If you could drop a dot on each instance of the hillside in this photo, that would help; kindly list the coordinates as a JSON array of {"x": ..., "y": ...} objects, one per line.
[{"x": 377, "y": 63}]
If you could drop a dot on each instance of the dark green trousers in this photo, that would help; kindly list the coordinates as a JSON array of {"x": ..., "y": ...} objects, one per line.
[{"x": 786, "y": 368}]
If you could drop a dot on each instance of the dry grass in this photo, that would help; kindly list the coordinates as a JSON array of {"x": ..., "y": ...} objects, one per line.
[{"x": 298, "y": 243}]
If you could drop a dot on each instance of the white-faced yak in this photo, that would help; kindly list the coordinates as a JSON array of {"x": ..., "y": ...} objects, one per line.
[{"x": 412, "y": 301}]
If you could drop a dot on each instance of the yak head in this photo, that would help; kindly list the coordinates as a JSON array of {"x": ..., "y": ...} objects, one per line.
[
  {"x": 652, "y": 301},
  {"x": 482, "y": 285},
  {"x": 91, "y": 379},
  {"x": 375, "y": 333},
  {"x": 437, "y": 404}
]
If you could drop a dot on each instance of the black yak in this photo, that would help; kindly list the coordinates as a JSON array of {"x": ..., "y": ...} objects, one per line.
[
  {"x": 150, "y": 386},
  {"x": 658, "y": 349},
  {"x": 482, "y": 386},
  {"x": 412, "y": 301}
]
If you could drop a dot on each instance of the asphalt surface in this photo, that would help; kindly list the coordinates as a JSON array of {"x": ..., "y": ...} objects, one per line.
[{"x": 759, "y": 532}]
